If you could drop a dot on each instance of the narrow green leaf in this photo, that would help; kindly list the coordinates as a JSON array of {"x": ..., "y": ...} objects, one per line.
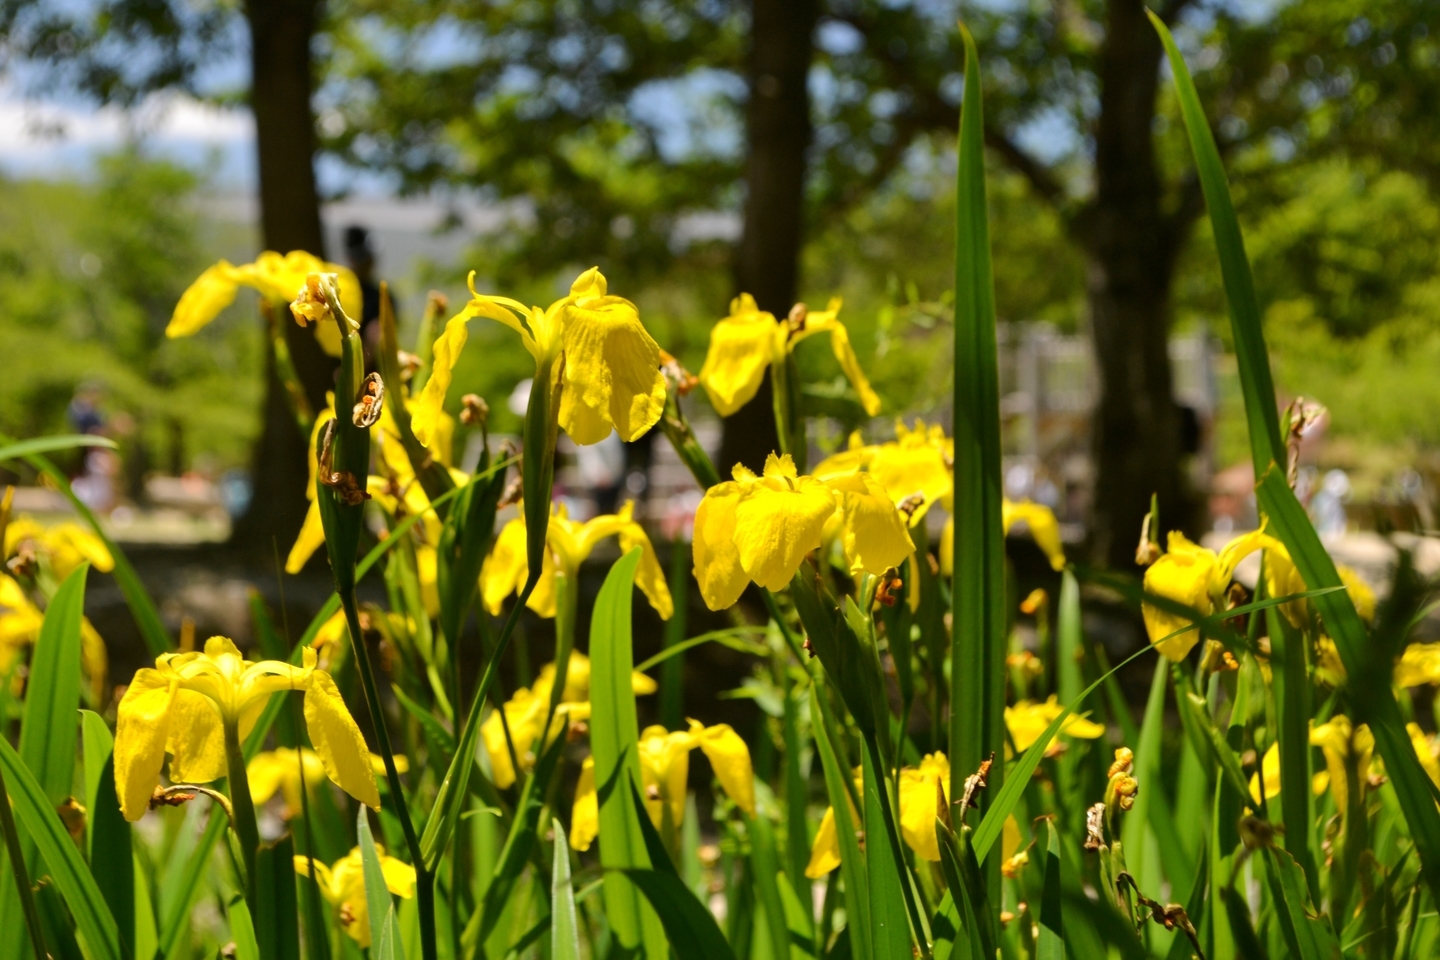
[
  {"x": 1309, "y": 936},
  {"x": 18, "y": 879},
  {"x": 1108, "y": 924},
  {"x": 190, "y": 882},
  {"x": 1142, "y": 851},
  {"x": 59, "y": 932},
  {"x": 24, "y": 448},
  {"x": 799, "y": 923},
  {"x": 765, "y": 863},
  {"x": 72, "y": 878},
  {"x": 614, "y": 744},
  {"x": 1051, "y": 944},
  {"x": 889, "y": 920},
  {"x": 692, "y": 931},
  {"x": 1291, "y": 683},
  {"x": 242, "y": 931},
  {"x": 52, "y": 720},
  {"x": 978, "y": 673},
  {"x": 377, "y": 894},
  {"x": 277, "y": 914},
  {"x": 389, "y": 947},
  {"x": 797, "y": 832},
  {"x": 840, "y": 788},
  {"x": 564, "y": 930},
  {"x": 433, "y": 729},
  {"x": 111, "y": 844},
  {"x": 731, "y": 637}
]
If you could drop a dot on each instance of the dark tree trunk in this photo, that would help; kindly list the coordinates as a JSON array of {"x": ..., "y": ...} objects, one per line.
[
  {"x": 767, "y": 261},
  {"x": 281, "y": 86},
  {"x": 1132, "y": 247}
]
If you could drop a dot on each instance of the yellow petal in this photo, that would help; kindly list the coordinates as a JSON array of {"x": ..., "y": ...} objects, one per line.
[
  {"x": 741, "y": 350},
  {"x": 947, "y": 547},
  {"x": 426, "y": 410},
  {"x": 825, "y": 848},
  {"x": 612, "y": 366},
  {"x": 323, "y": 878},
  {"x": 875, "y": 534},
  {"x": 1360, "y": 593},
  {"x": 919, "y": 803},
  {"x": 84, "y": 545},
  {"x": 1010, "y": 838},
  {"x": 492, "y": 734},
  {"x": 778, "y": 521},
  {"x": 399, "y": 876},
  {"x": 141, "y": 730},
  {"x": 1270, "y": 766},
  {"x": 310, "y": 539},
  {"x": 338, "y": 740},
  {"x": 1183, "y": 577},
  {"x": 1043, "y": 526},
  {"x": 585, "y": 814},
  {"x": 265, "y": 773},
  {"x": 717, "y": 560},
  {"x": 505, "y": 569},
  {"x": 665, "y": 766},
  {"x": 730, "y": 759},
  {"x": 197, "y": 739},
  {"x": 202, "y": 301}
]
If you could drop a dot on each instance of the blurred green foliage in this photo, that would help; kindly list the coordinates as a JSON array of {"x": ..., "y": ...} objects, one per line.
[{"x": 89, "y": 274}]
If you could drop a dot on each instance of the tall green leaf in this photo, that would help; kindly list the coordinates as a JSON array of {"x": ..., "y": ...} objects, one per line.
[
  {"x": 840, "y": 789},
  {"x": 1142, "y": 850},
  {"x": 377, "y": 894},
  {"x": 614, "y": 743},
  {"x": 277, "y": 912},
  {"x": 889, "y": 919},
  {"x": 242, "y": 931},
  {"x": 63, "y": 861},
  {"x": 24, "y": 448},
  {"x": 1051, "y": 944},
  {"x": 564, "y": 930},
  {"x": 978, "y": 669},
  {"x": 110, "y": 837},
  {"x": 693, "y": 932},
  {"x": 52, "y": 719}
]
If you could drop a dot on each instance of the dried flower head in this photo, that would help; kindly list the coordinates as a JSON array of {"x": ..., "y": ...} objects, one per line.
[
  {"x": 1095, "y": 827},
  {"x": 368, "y": 405}
]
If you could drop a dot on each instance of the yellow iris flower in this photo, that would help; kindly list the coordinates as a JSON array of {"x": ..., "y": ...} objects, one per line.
[
  {"x": 664, "y": 767},
  {"x": 568, "y": 543},
  {"x": 610, "y": 376},
  {"x": 184, "y": 704},
  {"x": 1197, "y": 577},
  {"x": 342, "y": 884},
  {"x": 1419, "y": 664},
  {"x": 64, "y": 545},
  {"x": 277, "y": 279},
  {"x": 1026, "y": 721},
  {"x": 20, "y": 622},
  {"x": 1342, "y": 744},
  {"x": 279, "y": 771},
  {"x": 1039, "y": 520},
  {"x": 750, "y": 340},
  {"x": 525, "y": 714},
  {"x": 761, "y": 528},
  {"x": 915, "y": 466},
  {"x": 919, "y": 807},
  {"x": 1283, "y": 578}
]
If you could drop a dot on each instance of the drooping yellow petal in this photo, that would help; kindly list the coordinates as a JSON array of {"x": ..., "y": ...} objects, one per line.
[
  {"x": 874, "y": 533},
  {"x": 1423, "y": 750},
  {"x": 202, "y": 301},
  {"x": 1360, "y": 593},
  {"x": 947, "y": 547},
  {"x": 742, "y": 347},
  {"x": 505, "y": 569},
  {"x": 730, "y": 759},
  {"x": 612, "y": 365},
  {"x": 1027, "y": 721},
  {"x": 71, "y": 543},
  {"x": 825, "y": 848},
  {"x": 1419, "y": 664},
  {"x": 919, "y": 803},
  {"x": 717, "y": 560},
  {"x": 778, "y": 520},
  {"x": 649, "y": 576},
  {"x": 310, "y": 539},
  {"x": 427, "y": 409},
  {"x": 141, "y": 731},
  {"x": 1184, "y": 577},
  {"x": 664, "y": 768},
  {"x": 1043, "y": 526},
  {"x": 828, "y": 320},
  {"x": 1270, "y": 766},
  {"x": 585, "y": 814},
  {"x": 338, "y": 740},
  {"x": 265, "y": 773}
]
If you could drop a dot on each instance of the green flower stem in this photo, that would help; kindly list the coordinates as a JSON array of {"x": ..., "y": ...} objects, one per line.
[
  {"x": 242, "y": 808},
  {"x": 22, "y": 877},
  {"x": 678, "y": 431},
  {"x": 567, "y": 603}
]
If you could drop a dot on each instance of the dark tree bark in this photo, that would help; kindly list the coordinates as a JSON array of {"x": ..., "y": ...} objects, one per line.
[
  {"x": 281, "y": 88},
  {"x": 767, "y": 261},
  {"x": 1133, "y": 244}
]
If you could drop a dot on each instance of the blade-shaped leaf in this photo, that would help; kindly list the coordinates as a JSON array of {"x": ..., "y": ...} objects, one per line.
[
  {"x": 889, "y": 920},
  {"x": 277, "y": 914},
  {"x": 24, "y": 448},
  {"x": 692, "y": 931},
  {"x": 840, "y": 789},
  {"x": 1051, "y": 944},
  {"x": 52, "y": 719},
  {"x": 564, "y": 930},
  {"x": 978, "y": 674},
  {"x": 63, "y": 862},
  {"x": 242, "y": 931},
  {"x": 377, "y": 894}
]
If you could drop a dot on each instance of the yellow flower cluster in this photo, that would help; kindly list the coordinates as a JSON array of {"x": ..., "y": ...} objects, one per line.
[
  {"x": 525, "y": 713},
  {"x": 750, "y": 340},
  {"x": 916, "y": 468},
  {"x": 342, "y": 884},
  {"x": 569, "y": 544},
  {"x": 1343, "y": 745},
  {"x": 664, "y": 768},
  {"x": 760, "y": 528},
  {"x": 184, "y": 705},
  {"x": 610, "y": 374}
]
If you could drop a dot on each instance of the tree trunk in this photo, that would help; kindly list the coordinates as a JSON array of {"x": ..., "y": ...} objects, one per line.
[
  {"x": 1132, "y": 246},
  {"x": 767, "y": 262},
  {"x": 281, "y": 87}
]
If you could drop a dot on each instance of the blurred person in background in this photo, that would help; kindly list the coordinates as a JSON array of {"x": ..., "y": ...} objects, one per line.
[
  {"x": 360, "y": 255},
  {"x": 95, "y": 484}
]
